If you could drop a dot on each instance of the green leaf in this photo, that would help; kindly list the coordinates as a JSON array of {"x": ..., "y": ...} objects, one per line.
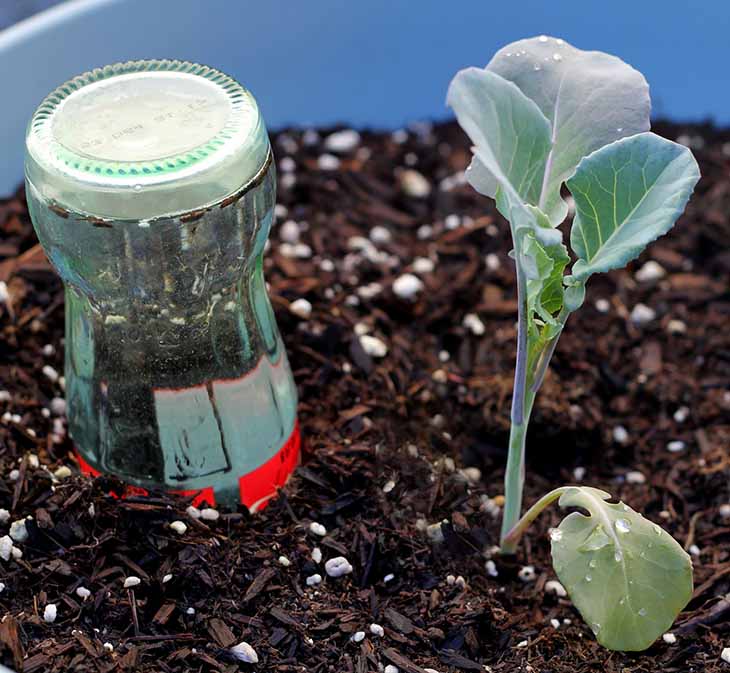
[
  {"x": 543, "y": 266},
  {"x": 511, "y": 144},
  {"x": 589, "y": 98},
  {"x": 627, "y": 194},
  {"x": 627, "y": 576}
]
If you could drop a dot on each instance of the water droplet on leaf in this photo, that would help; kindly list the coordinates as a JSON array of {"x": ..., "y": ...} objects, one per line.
[
  {"x": 557, "y": 57},
  {"x": 642, "y": 612},
  {"x": 543, "y": 38},
  {"x": 589, "y": 578},
  {"x": 622, "y": 525},
  {"x": 556, "y": 535},
  {"x": 560, "y": 42},
  {"x": 592, "y": 563},
  {"x": 618, "y": 556},
  {"x": 595, "y": 628}
]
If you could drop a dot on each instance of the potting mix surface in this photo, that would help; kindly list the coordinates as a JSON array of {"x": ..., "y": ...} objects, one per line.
[{"x": 405, "y": 385}]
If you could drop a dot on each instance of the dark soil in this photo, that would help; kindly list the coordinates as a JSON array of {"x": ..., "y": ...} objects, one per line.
[{"x": 399, "y": 420}]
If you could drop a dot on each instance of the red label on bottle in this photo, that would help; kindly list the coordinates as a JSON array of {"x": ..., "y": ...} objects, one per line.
[{"x": 255, "y": 488}]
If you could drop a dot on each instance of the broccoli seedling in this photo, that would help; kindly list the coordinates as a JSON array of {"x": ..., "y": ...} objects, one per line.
[{"x": 541, "y": 115}]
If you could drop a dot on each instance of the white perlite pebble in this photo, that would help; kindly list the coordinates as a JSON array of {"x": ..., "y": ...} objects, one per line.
[
  {"x": 132, "y": 581},
  {"x": 210, "y": 514},
  {"x": 317, "y": 555},
  {"x": 681, "y": 414},
  {"x": 407, "y": 286},
  {"x": 49, "y": 613},
  {"x": 650, "y": 271},
  {"x": 579, "y": 473},
  {"x": 317, "y": 529},
  {"x": 492, "y": 262},
  {"x": 301, "y": 308},
  {"x": 83, "y": 592},
  {"x": 669, "y": 638},
  {"x": 342, "y": 141},
  {"x": 193, "y": 512},
  {"x": 373, "y": 346},
  {"x": 423, "y": 265},
  {"x": 527, "y": 573},
  {"x": 190, "y": 611},
  {"x": 4, "y": 516},
  {"x": 491, "y": 568},
  {"x": 473, "y": 323},
  {"x": 724, "y": 511},
  {"x": 179, "y": 527},
  {"x": 676, "y": 445},
  {"x": 472, "y": 474},
  {"x": 414, "y": 184},
  {"x": 389, "y": 486},
  {"x": 390, "y": 669},
  {"x": 642, "y": 314},
  {"x": 620, "y": 435},
  {"x": 377, "y": 630},
  {"x": 555, "y": 623},
  {"x": 2, "y": 587},
  {"x": 328, "y": 162},
  {"x": 166, "y": 578},
  {"x": 555, "y": 587},
  {"x": 602, "y": 305},
  {"x": 676, "y": 327},
  {"x": 635, "y": 477},
  {"x": 50, "y": 373},
  {"x": 58, "y": 406},
  {"x": 725, "y": 655},
  {"x": 33, "y": 461},
  {"x": 244, "y": 652},
  {"x": 424, "y": 231},
  {"x": 63, "y": 472},
  {"x": 287, "y": 165},
  {"x": 452, "y": 222},
  {"x": 18, "y": 531},
  {"x": 289, "y": 232},
  {"x": 338, "y": 566},
  {"x": 284, "y": 561},
  {"x": 380, "y": 234},
  {"x": 694, "y": 550},
  {"x": 388, "y": 578},
  {"x": 313, "y": 580},
  {"x": 108, "y": 647},
  {"x": 358, "y": 636},
  {"x": 16, "y": 553},
  {"x": 6, "y": 546},
  {"x": 522, "y": 644}
]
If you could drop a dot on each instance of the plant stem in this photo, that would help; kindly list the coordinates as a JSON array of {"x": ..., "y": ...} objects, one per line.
[
  {"x": 544, "y": 363},
  {"x": 522, "y": 399},
  {"x": 513, "y": 536}
]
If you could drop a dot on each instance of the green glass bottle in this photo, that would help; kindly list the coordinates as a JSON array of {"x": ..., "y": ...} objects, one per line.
[{"x": 152, "y": 188}]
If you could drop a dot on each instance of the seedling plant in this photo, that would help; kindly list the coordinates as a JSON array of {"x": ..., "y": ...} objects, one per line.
[{"x": 543, "y": 115}]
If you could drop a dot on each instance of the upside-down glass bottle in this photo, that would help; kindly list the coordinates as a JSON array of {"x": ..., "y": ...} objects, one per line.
[{"x": 151, "y": 186}]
